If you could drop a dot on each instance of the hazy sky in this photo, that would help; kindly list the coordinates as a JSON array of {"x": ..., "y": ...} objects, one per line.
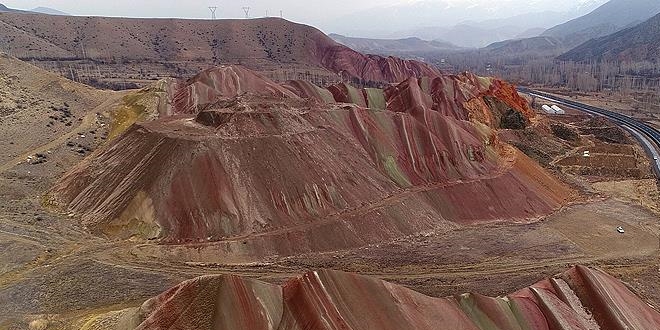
[
  {"x": 329, "y": 15},
  {"x": 312, "y": 10}
]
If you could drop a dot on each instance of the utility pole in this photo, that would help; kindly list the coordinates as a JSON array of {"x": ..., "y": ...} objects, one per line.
[
  {"x": 266, "y": 12},
  {"x": 247, "y": 12},
  {"x": 281, "y": 14},
  {"x": 82, "y": 48},
  {"x": 213, "y": 9}
]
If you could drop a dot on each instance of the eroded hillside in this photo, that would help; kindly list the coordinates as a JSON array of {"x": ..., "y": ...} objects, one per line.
[
  {"x": 269, "y": 172},
  {"x": 580, "y": 298}
]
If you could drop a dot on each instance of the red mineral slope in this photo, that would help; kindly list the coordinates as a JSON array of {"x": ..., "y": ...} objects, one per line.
[
  {"x": 354, "y": 65},
  {"x": 273, "y": 173},
  {"x": 223, "y": 82},
  {"x": 463, "y": 97},
  {"x": 307, "y": 90},
  {"x": 581, "y": 298},
  {"x": 345, "y": 93}
]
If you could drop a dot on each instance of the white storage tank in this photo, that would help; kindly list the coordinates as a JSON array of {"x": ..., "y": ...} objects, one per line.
[
  {"x": 558, "y": 110},
  {"x": 548, "y": 109}
]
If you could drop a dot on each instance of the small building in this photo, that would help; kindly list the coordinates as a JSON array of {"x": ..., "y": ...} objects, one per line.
[{"x": 558, "y": 110}]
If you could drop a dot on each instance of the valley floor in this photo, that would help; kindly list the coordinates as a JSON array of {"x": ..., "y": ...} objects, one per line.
[
  {"x": 55, "y": 275},
  {"x": 636, "y": 106},
  {"x": 53, "y": 272}
]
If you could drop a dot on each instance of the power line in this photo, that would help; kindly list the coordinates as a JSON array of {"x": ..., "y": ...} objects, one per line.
[{"x": 213, "y": 9}]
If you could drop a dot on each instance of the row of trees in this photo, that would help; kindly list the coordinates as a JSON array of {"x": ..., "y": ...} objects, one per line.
[{"x": 638, "y": 81}]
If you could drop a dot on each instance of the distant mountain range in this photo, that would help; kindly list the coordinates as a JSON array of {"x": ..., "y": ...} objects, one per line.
[
  {"x": 594, "y": 29},
  {"x": 479, "y": 34},
  {"x": 473, "y": 35},
  {"x": 39, "y": 10},
  {"x": 639, "y": 43},
  {"x": 393, "y": 46},
  {"x": 567, "y": 28},
  {"x": 475, "y": 23},
  {"x": 49, "y": 11},
  {"x": 611, "y": 17},
  {"x": 526, "y": 45},
  {"x": 506, "y": 37},
  {"x": 5, "y": 9}
]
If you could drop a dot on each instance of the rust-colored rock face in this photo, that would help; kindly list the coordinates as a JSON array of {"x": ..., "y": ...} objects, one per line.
[
  {"x": 581, "y": 298},
  {"x": 463, "y": 97},
  {"x": 351, "y": 64},
  {"x": 223, "y": 82},
  {"x": 269, "y": 172},
  {"x": 307, "y": 90}
]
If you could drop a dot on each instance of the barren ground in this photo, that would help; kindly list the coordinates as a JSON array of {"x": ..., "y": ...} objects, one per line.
[
  {"x": 53, "y": 272},
  {"x": 630, "y": 104}
]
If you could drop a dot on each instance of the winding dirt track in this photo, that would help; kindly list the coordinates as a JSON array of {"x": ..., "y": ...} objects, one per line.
[{"x": 275, "y": 271}]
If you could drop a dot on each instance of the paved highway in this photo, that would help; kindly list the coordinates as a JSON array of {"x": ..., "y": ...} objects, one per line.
[{"x": 648, "y": 136}]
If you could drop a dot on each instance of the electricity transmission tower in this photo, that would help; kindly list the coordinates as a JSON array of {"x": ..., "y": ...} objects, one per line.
[
  {"x": 247, "y": 12},
  {"x": 213, "y": 9}
]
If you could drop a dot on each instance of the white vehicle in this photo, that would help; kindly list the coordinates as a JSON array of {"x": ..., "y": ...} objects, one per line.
[{"x": 620, "y": 230}]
